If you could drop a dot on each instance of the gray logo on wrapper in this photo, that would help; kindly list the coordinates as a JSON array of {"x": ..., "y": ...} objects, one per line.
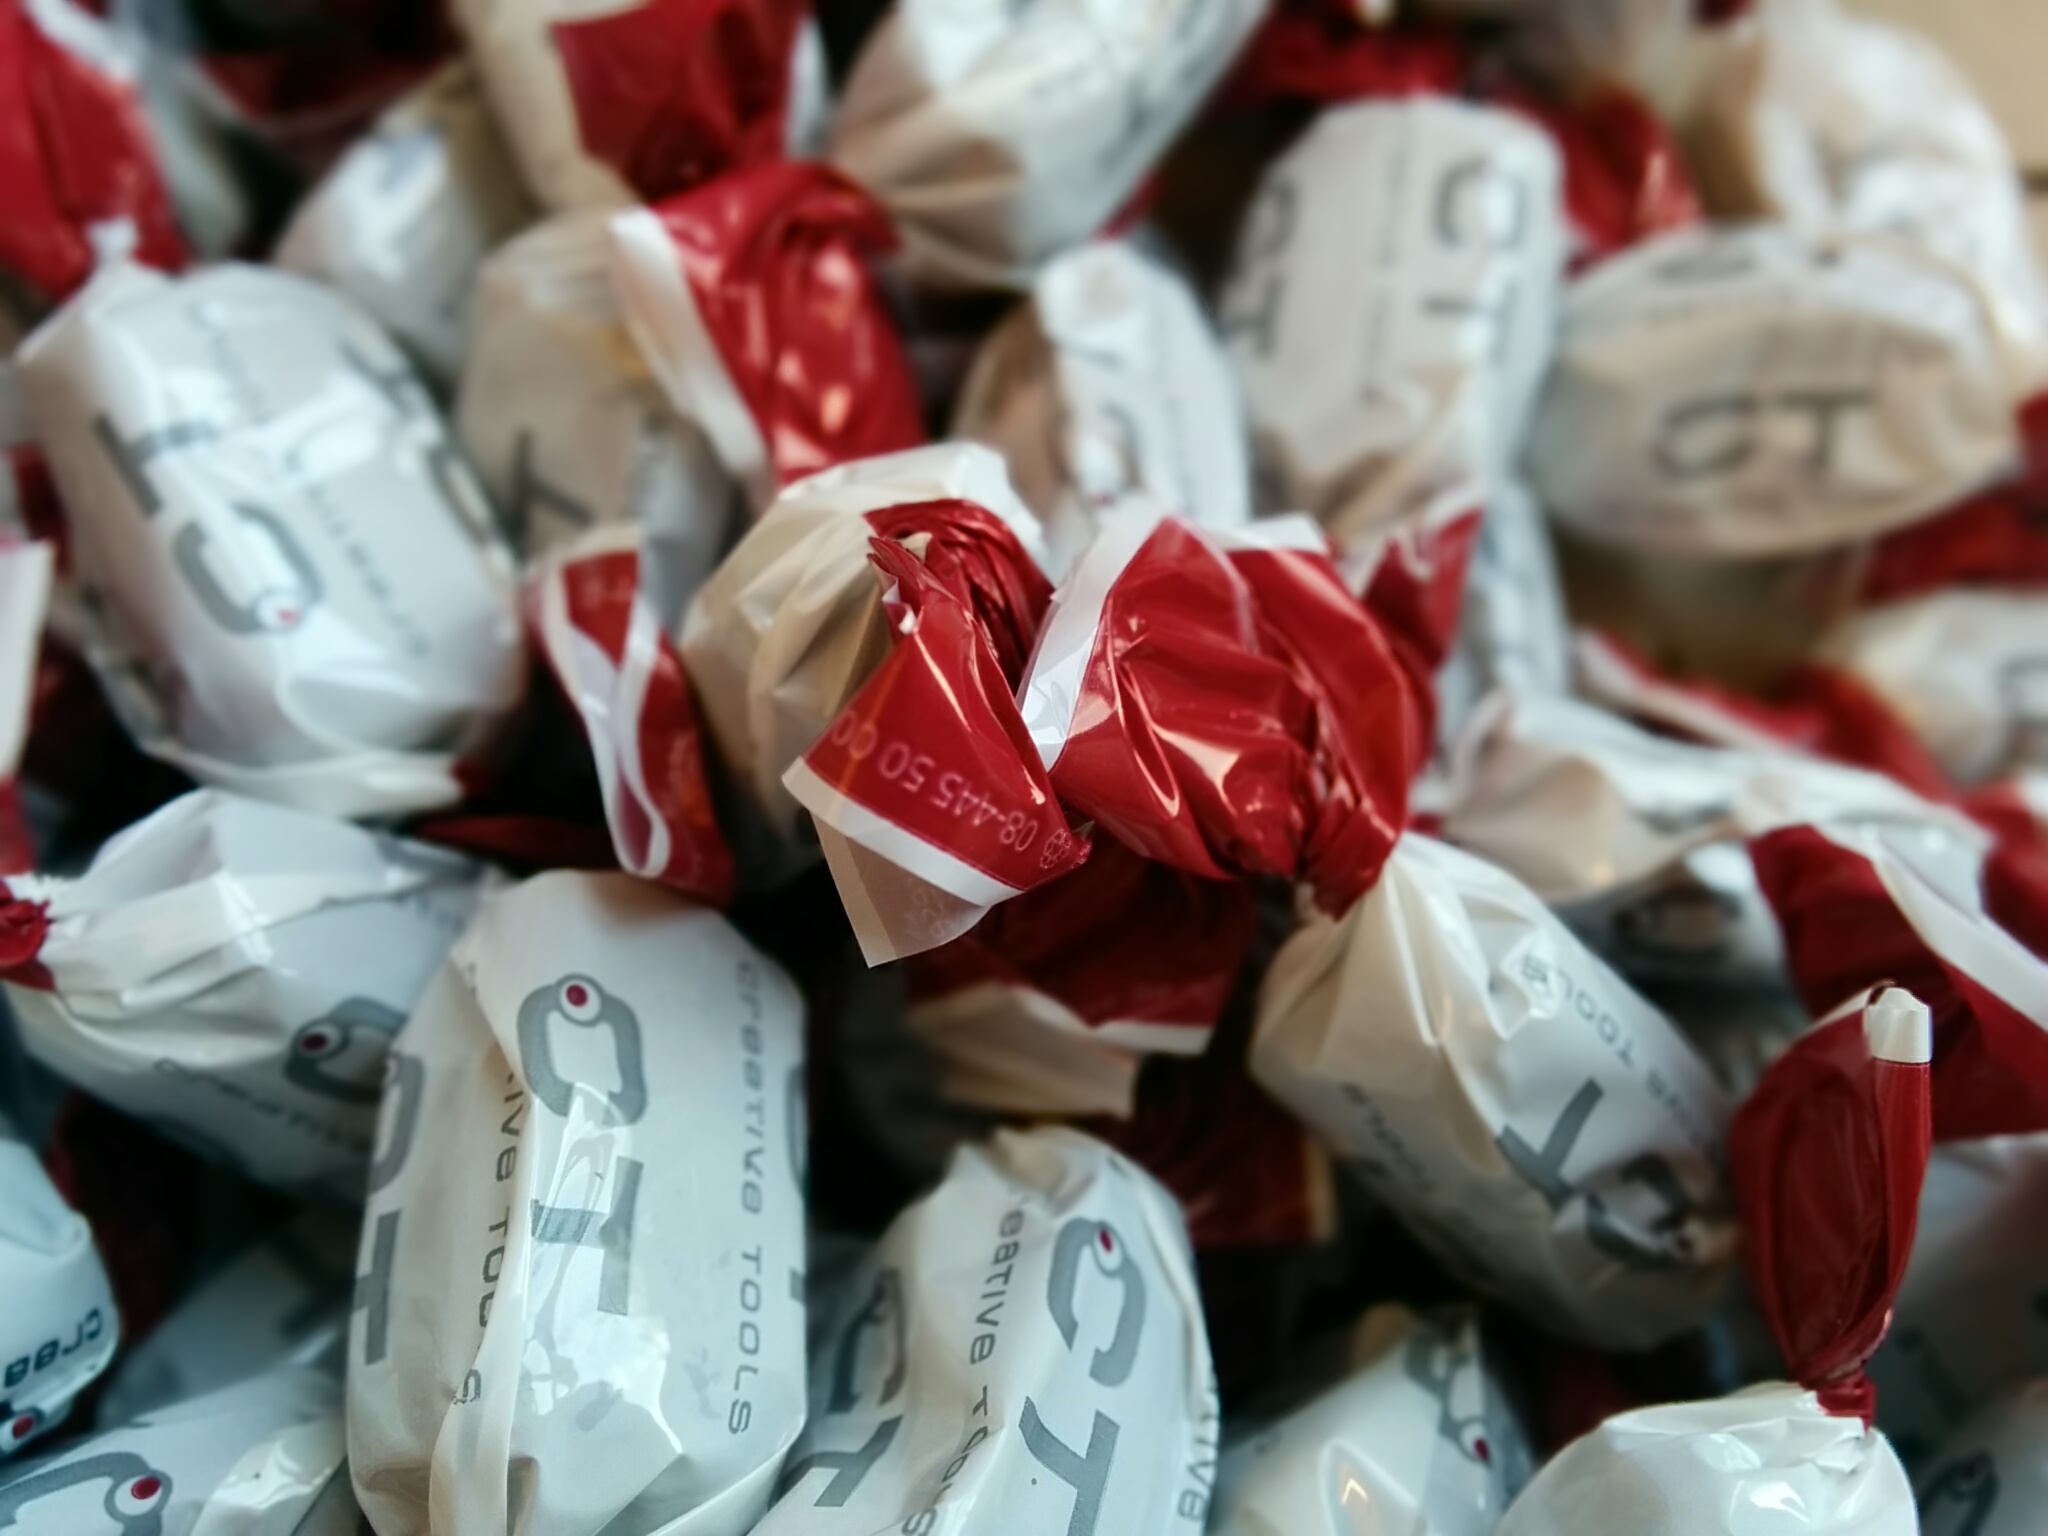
[
  {"x": 341, "y": 1054},
  {"x": 245, "y": 593},
  {"x": 136, "y": 1496}
]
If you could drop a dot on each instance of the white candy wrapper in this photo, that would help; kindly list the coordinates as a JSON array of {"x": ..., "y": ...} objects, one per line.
[
  {"x": 579, "y": 1299},
  {"x": 1023, "y": 1351},
  {"x": 58, "y": 1328},
  {"x": 1965, "y": 669},
  {"x": 1420, "y": 1434},
  {"x": 232, "y": 973},
  {"x": 404, "y": 219},
  {"x": 1110, "y": 381},
  {"x": 1991, "y": 1478},
  {"x": 566, "y": 427},
  {"x": 791, "y": 623},
  {"x": 999, "y": 139},
  {"x": 1540, "y": 1127},
  {"x": 1831, "y": 120},
  {"x": 1965, "y": 1327},
  {"x": 262, "y": 1456},
  {"x": 606, "y": 103},
  {"x": 299, "y": 591},
  {"x": 1767, "y": 1458},
  {"x": 1512, "y": 631},
  {"x": 1427, "y": 235},
  {"x": 1760, "y": 390}
]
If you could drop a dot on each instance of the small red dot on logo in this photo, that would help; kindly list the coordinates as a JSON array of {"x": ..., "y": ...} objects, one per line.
[
  {"x": 1108, "y": 1242},
  {"x": 315, "y": 1041},
  {"x": 23, "y": 1425},
  {"x": 578, "y": 995},
  {"x": 145, "y": 1487},
  {"x": 1483, "y": 1451}
]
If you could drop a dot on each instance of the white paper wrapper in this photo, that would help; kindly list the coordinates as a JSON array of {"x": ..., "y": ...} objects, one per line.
[
  {"x": 1539, "y": 1126},
  {"x": 58, "y": 1328},
  {"x": 282, "y": 1302},
  {"x": 232, "y": 973},
  {"x": 1110, "y": 381},
  {"x": 299, "y": 591},
  {"x": 1965, "y": 669},
  {"x": 1392, "y": 306},
  {"x": 565, "y": 425},
  {"x": 404, "y": 219},
  {"x": 1759, "y": 390},
  {"x": 999, "y": 138},
  {"x": 1769, "y": 1458},
  {"x": 1991, "y": 1478},
  {"x": 1023, "y": 1351},
  {"x": 1512, "y": 632},
  {"x": 1418, "y": 1439},
  {"x": 1966, "y": 1327},
  {"x": 791, "y": 623},
  {"x": 264, "y": 1456},
  {"x": 579, "y": 1298},
  {"x": 1833, "y": 121}
]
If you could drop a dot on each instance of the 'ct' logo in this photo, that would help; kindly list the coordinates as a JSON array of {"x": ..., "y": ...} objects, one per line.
[
  {"x": 341, "y": 1055},
  {"x": 1114, "y": 1261},
  {"x": 136, "y": 1496},
  {"x": 577, "y": 1002},
  {"x": 266, "y": 585}
]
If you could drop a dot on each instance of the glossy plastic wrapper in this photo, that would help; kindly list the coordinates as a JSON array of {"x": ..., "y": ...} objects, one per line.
[
  {"x": 406, "y": 216},
  {"x": 1420, "y": 1432},
  {"x": 232, "y": 973},
  {"x": 1540, "y": 1127},
  {"x": 1431, "y": 231},
  {"x": 296, "y": 588},
  {"x": 579, "y": 1293},
  {"x": 1024, "y": 1349},
  {"x": 566, "y": 426},
  {"x": 997, "y": 140},
  {"x": 753, "y": 304},
  {"x": 1991, "y": 1477},
  {"x": 1109, "y": 382},
  {"x": 606, "y": 104},
  {"x": 60, "y": 1325}
]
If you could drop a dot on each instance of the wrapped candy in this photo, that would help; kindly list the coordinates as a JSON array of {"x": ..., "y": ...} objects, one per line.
[
  {"x": 565, "y": 425},
  {"x": 297, "y": 590},
  {"x": 999, "y": 139},
  {"x": 76, "y": 153},
  {"x": 1110, "y": 381},
  {"x": 60, "y": 1326},
  {"x": 1762, "y": 390},
  {"x": 608, "y": 104},
  {"x": 27, "y": 571},
  {"x": 1828, "y": 1154},
  {"x": 1419, "y": 1430},
  {"x": 1023, "y": 1350},
  {"x": 752, "y": 304},
  {"x": 1540, "y": 1127},
  {"x": 265, "y": 1454},
  {"x": 233, "y": 973},
  {"x": 579, "y": 1293},
  {"x": 791, "y": 624},
  {"x": 1991, "y": 1477},
  {"x": 404, "y": 219}
]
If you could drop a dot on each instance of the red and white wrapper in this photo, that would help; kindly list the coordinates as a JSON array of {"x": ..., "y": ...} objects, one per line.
[
  {"x": 1431, "y": 233},
  {"x": 1828, "y": 1154},
  {"x": 1761, "y": 390},
  {"x": 579, "y": 1294},
  {"x": 792, "y": 622},
  {"x": 297, "y": 589},
  {"x": 1539, "y": 1126},
  {"x": 1651, "y": 46},
  {"x": 597, "y": 629},
  {"x": 607, "y": 103},
  {"x": 1218, "y": 701},
  {"x": 1053, "y": 1001},
  {"x": 999, "y": 139},
  {"x": 1420, "y": 1431},
  {"x": 79, "y": 174},
  {"x": 1023, "y": 1350},
  {"x": 232, "y": 973},
  {"x": 1991, "y": 1477},
  {"x": 566, "y": 426},
  {"x": 751, "y": 300},
  {"x": 60, "y": 1326},
  {"x": 1110, "y": 382},
  {"x": 406, "y": 216},
  {"x": 1833, "y": 121},
  {"x": 263, "y": 1455}
]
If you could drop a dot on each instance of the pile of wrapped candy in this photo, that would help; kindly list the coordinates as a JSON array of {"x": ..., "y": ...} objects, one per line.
[{"x": 1014, "y": 767}]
